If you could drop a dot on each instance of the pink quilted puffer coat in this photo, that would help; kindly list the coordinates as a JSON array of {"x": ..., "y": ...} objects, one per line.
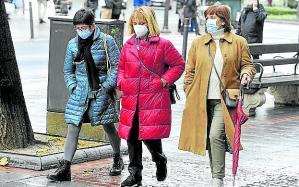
[{"x": 143, "y": 92}]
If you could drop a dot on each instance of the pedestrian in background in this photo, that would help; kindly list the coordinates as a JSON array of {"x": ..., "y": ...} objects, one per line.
[
  {"x": 180, "y": 11},
  {"x": 42, "y": 10},
  {"x": 190, "y": 11},
  {"x": 117, "y": 8},
  {"x": 148, "y": 65},
  {"x": 251, "y": 23},
  {"x": 92, "y": 5},
  {"x": 106, "y": 9},
  {"x": 90, "y": 84},
  {"x": 216, "y": 58},
  {"x": 62, "y": 7}
]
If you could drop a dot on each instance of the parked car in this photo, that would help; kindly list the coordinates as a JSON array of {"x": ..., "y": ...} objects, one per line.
[{"x": 160, "y": 3}]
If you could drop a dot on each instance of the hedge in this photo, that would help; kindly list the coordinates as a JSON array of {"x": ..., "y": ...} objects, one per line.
[{"x": 280, "y": 11}]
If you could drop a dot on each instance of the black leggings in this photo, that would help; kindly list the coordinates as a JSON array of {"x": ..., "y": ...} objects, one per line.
[{"x": 135, "y": 149}]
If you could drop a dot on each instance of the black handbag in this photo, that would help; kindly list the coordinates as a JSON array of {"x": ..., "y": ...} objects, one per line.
[{"x": 173, "y": 94}]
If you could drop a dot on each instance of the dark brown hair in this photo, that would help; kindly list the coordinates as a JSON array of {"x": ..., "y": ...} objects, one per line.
[
  {"x": 83, "y": 16},
  {"x": 223, "y": 12}
]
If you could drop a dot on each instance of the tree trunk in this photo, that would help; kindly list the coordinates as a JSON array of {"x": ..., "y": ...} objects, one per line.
[
  {"x": 285, "y": 3},
  {"x": 15, "y": 126}
]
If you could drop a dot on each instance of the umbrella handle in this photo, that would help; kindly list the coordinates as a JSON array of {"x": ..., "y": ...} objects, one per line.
[{"x": 241, "y": 98}]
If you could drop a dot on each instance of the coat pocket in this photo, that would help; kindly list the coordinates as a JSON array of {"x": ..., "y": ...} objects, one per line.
[
  {"x": 156, "y": 84},
  {"x": 76, "y": 93},
  {"x": 105, "y": 109},
  {"x": 101, "y": 102}
]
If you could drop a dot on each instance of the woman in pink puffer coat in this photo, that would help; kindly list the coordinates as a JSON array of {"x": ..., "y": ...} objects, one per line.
[{"x": 148, "y": 65}]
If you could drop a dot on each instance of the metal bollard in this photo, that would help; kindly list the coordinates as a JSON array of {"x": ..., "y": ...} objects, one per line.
[
  {"x": 31, "y": 20},
  {"x": 166, "y": 11},
  {"x": 185, "y": 37},
  {"x": 23, "y": 3}
]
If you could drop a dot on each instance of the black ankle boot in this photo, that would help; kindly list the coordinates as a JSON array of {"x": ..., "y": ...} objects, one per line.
[
  {"x": 63, "y": 173},
  {"x": 161, "y": 172},
  {"x": 132, "y": 180},
  {"x": 118, "y": 165}
]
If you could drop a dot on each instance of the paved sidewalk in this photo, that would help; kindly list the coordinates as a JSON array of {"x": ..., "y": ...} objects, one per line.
[
  {"x": 270, "y": 158},
  {"x": 291, "y": 22},
  {"x": 20, "y": 27}
]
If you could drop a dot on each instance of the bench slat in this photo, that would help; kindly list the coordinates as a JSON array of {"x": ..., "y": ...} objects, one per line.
[
  {"x": 258, "y": 49},
  {"x": 274, "y": 81},
  {"x": 274, "y": 74},
  {"x": 276, "y": 61}
]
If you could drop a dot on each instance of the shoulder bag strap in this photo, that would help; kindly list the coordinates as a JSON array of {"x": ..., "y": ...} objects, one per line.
[
  {"x": 108, "y": 63},
  {"x": 141, "y": 62},
  {"x": 213, "y": 64},
  {"x": 221, "y": 83}
]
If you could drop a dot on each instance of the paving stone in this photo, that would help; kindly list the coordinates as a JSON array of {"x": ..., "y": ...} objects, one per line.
[
  {"x": 9, "y": 177},
  {"x": 42, "y": 181}
]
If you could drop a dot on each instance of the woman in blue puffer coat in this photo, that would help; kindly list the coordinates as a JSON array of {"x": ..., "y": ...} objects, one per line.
[{"x": 90, "y": 80}]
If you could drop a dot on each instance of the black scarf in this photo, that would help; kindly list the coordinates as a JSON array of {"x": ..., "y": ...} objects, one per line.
[{"x": 84, "y": 53}]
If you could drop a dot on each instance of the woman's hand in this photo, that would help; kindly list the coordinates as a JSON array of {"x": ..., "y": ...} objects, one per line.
[
  {"x": 164, "y": 82},
  {"x": 245, "y": 79},
  {"x": 119, "y": 93}
]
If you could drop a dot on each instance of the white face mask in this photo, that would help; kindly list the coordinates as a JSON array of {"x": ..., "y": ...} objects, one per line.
[
  {"x": 140, "y": 30},
  {"x": 211, "y": 25}
]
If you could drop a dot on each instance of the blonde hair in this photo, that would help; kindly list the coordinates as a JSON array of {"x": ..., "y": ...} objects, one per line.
[{"x": 148, "y": 14}]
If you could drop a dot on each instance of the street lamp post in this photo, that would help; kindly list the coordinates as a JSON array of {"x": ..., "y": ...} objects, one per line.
[
  {"x": 165, "y": 26},
  {"x": 23, "y": 3},
  {"x": 185, "y": 37},
  {"x": 31, "y": 20}
]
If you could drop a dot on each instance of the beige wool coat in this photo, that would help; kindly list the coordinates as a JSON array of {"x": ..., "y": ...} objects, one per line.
[{"x": 237, "y": 61}]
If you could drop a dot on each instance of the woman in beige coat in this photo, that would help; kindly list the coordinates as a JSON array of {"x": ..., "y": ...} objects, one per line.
[{"x": 206, "y": 122}]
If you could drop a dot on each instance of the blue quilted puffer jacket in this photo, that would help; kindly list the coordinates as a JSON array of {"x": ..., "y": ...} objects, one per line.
[{"x": 100, "y": 106}]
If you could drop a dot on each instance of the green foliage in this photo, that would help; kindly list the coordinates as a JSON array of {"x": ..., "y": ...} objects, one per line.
[
  {"x": 281, "y": 17},
  {"x": 280, "y": 11},
  {"x": 277, "y": 3}
]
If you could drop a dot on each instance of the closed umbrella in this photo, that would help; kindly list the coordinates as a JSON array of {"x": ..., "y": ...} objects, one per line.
[{"x": 239, "y": 118}]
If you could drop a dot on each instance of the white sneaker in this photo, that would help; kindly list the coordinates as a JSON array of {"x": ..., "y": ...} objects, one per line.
[{"x": 218, "y": 182}]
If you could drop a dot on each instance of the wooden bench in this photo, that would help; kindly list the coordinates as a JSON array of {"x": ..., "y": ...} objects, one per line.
[{"x": 280, "y": 54}]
